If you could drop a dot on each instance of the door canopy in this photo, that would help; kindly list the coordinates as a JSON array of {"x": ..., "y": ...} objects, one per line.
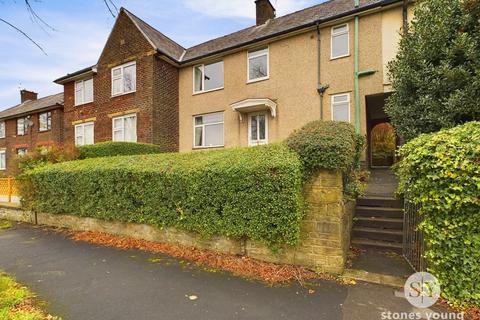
[{"x": 254, "y": 105}]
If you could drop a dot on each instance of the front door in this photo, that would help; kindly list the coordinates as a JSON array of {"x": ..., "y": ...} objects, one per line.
[{"x": 257, "y": 129}]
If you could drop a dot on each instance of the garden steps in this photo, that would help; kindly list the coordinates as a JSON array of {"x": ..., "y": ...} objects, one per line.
[{"x": 378, "y": 223}]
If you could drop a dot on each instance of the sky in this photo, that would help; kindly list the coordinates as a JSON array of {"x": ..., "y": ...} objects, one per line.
[{"x": 81, "y": 28}]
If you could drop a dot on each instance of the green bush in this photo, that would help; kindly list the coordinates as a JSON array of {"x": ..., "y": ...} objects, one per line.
[
  {"x": 242, "y": 192},
  {"x": 109, "y": 149},
  {"x": 329, "y": 145},
  {"x": 441, "y": 172}
]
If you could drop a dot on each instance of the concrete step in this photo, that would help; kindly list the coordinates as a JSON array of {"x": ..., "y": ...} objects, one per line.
[
  {"x": 380, "y": 202},
  {"x": 377, "y": 245},
  {"x": 388, "y": 235},
  {"x": 367, "y": 211},
  {"x": 379, "y": 222}
]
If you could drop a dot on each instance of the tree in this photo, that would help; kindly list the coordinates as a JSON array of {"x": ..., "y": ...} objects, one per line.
[{"x": 436, "y": 74}]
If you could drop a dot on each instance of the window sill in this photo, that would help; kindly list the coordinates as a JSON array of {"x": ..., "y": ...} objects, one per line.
[
  {"x": 258, "y": 80},
  {"x": 40, "y": 131},
  {"x": 122, "y": 94},
  {"x": 212, "y": 90},
  {"x": 339, "y": 57},
  {"x": 82, "y": 104},
  {"x": 206, "y": 148}
]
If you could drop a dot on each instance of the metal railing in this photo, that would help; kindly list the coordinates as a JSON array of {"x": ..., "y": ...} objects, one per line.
[
  {"x": 8, "y": 189},
  {"x": 413, "y": 240}
]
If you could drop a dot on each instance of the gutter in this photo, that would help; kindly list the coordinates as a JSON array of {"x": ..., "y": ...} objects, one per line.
[{"x": 29, "y": 113}]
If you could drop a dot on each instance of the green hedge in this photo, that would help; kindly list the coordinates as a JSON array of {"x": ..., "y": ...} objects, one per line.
[
  {"x": 109, "y": 149},
  {"x": 441, "y": 172},
  {"x": 243, "y": 192}
]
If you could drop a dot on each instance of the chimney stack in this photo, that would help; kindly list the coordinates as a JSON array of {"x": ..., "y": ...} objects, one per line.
[
  {"x": 265, "y": 11},
  {"x": 26, "y": 95}
]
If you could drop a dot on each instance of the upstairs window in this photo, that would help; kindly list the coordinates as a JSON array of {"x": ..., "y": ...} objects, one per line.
[
  {"x": 258, "y": 65},
  {"x": 3, "y": 159},
  {"x": 22, "y": 126},
  {"x": 83, "y": 92},
  {"x": 2, "y": 129},
  {"x": 208, "y": 77},
  {"x": 45, "y": 121},
  {"x": 84, "y": 134},
  {"x": 124, "y": 79},
  {"x": 341, "y": 107},
  {"x": 125, "y": 128},
  {"x": 340, "y": 41},
  {"x": 208, "y": 130}
]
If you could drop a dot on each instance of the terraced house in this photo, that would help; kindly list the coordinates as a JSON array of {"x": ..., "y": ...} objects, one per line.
[
  {"x": 35, "y": 122},
  {"x": 251, "y": 87}
]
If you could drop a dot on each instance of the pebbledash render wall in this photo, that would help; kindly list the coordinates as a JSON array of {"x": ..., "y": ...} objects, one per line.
[
  {"x": 293, "y": 78},
  {"x": 325, "y": 230},
  {"x": 155, "y": 101}
]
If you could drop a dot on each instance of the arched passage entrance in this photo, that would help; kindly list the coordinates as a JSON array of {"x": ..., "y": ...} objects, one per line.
[{"x": 383, "y": 143}]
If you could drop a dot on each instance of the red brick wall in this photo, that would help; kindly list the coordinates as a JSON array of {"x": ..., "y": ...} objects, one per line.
[
  {"x": 156, "y": 96},
  {"x": 32, "y": 139}
]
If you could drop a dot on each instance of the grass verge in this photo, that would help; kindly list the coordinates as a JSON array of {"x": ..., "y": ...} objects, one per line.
[
  {"x": 18, "y": 302},
  {"x": 5, "y": 224}
]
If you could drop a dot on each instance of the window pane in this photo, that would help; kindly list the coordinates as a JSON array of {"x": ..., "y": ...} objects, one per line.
[
  {"x": 214, "y": 135},
  {"x": 340, "y": 29},
  {"x": 2, "y": 160},
  {"x": 117, "y": 86},
  {"x": 117, "y": 72},
  {"x": 118, "y": 135},
  {"x": 258, "y": 52},
  {"x": 253, "y": 128},
  {"x": 129, "y": 78},
  {"x": 42, "y": 120},
  {"x": 88, "y": 131},
  {"x": 342, "y": 98},
  {"x": 340, "y": 45},
  {"x": 261, "y": 127},
  {"x": 198, "y": 79},
  {"x": 258, "y": 67},
  {"x": 198, "y": 136},
  {"x": 88, "y": 90},
  {"x": 214, "y": 76},
  {"x": 213, "y": 117},
  {"x": 20, "y": 126},
  {"x": 131, "y": 129},
  {"x": 341, "y": 112},
  {"x": 79, "y": 92},
  {"x": 2, "y": 129},
  {"x": 198, "y": 120},
  {"x": 118, "y": 123}
]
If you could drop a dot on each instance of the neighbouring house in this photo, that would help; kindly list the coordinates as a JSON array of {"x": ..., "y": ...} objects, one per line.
[
  {"x": 251, "y": 87},
  {"x": 35, "y": 122}
]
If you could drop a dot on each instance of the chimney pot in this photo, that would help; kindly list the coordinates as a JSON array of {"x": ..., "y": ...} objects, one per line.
[
  {"x": 26, "y": 95},
  {"x": 265, "y": 11}
]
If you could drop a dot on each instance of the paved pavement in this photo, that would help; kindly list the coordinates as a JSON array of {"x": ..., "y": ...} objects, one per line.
[{"x": 81, "y": 282}]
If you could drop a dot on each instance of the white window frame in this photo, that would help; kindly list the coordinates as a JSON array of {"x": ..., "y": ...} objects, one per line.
[
  {"x": 134, "y": 115},
  {"x": 203, "y": 130},
  {"x": 202, "y": 67},
  {"x": 120, "y": 76},
  {"x": 333, "y": 104},
  {"x": 335, "y": 34},
  {"x": 84, "y": 101},
  {"x": 4, "y": 133},
  {"x": 48, "y": 117},
  {"x": 82, "y": 125},
  {"x": 250, "y": 142},
  {"x": 25, "y": 126},
  {"x": 256, "y": 56},
  {"x": 3, "y": 154}
]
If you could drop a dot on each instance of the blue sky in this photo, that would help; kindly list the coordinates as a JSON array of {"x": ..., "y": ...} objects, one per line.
[{"x": 82, "y": 27}]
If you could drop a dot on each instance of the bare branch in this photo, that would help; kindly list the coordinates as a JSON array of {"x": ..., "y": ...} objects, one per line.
[
  {"x": 24, "y": 34},
  {"x": 109, "y": 9},
  {"x": 36, "y": 18}
]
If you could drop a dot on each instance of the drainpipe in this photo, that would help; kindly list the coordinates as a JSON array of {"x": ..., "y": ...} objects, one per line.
[
  {"x": 320, "y": 87},
  {"x": 356, "y": 74},
  {"x": 405, "y": 16}
]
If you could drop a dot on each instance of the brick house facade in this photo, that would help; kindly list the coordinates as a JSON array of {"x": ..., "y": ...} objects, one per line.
[
  {"x": 42, "y": 123},
  {"x": 153, "y": 104}
]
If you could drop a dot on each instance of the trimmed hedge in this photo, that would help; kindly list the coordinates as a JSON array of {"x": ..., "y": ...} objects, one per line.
[
  {"x": 243, "y": 192},
  {"x": 441, "y": 172},
  {"x": 327, "y": 145},
  {"x": 110, "y": 149}
]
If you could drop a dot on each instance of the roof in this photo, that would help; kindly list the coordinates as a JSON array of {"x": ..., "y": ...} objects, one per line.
[
  {"x": 160, "y": 41},
  {"x": 323, "y": 12},
  {"x": 75, "y": 74},
  {"x": 30, "y": 106}
]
